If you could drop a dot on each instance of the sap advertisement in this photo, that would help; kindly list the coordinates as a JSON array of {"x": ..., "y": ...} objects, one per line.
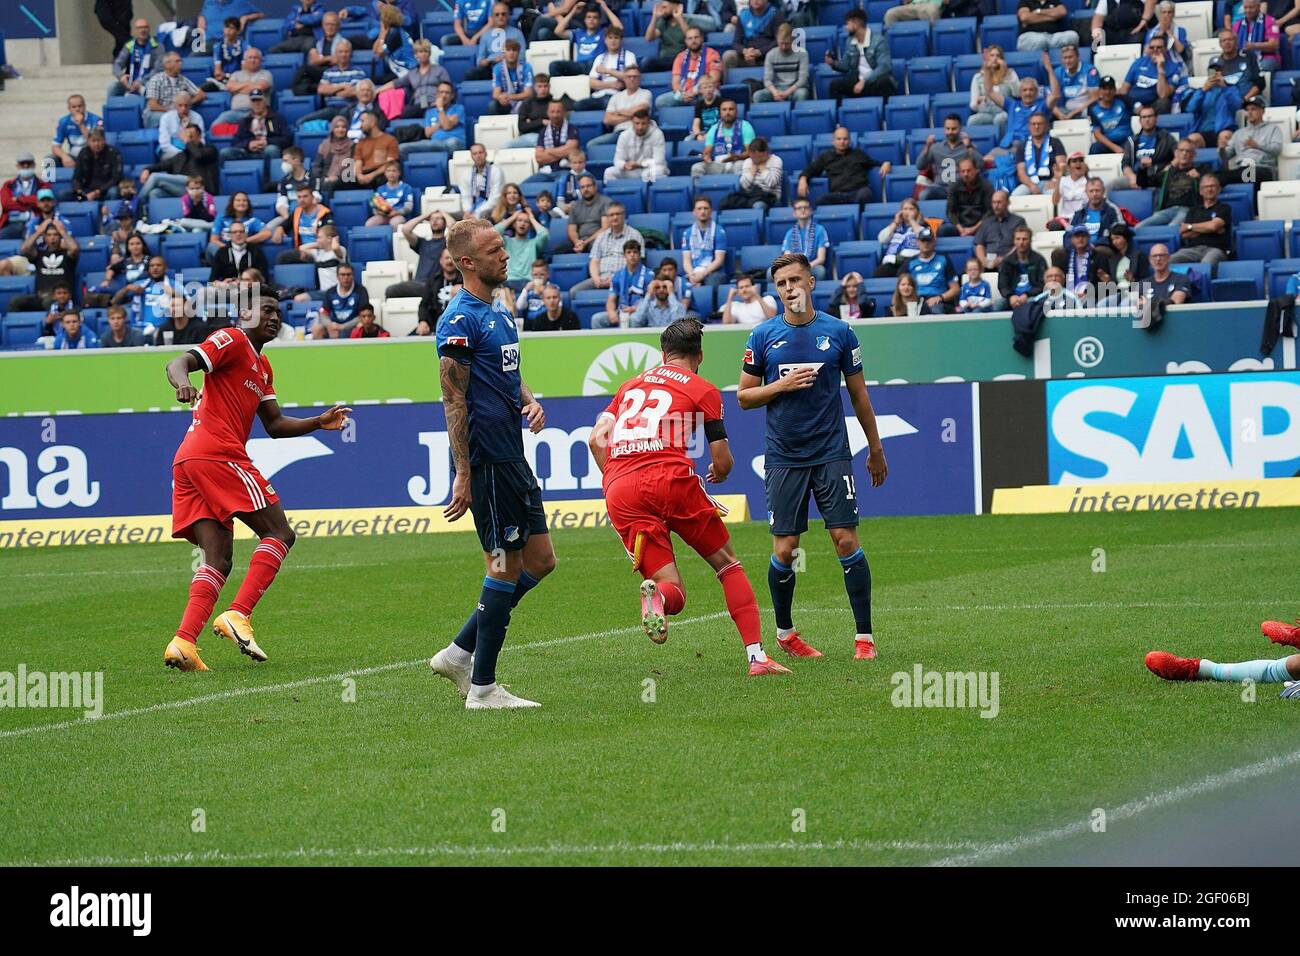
[
  {"x": 73, "y": 466},
  {"x": 1137, "y": 430}
]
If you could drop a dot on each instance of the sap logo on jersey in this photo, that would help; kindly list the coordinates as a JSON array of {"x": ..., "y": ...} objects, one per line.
[
  {"x": 509, "y": 357},
  {"x": 1160, "y": 429}
]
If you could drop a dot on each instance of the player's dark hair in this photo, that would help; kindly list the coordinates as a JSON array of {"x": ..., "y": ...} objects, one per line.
[
  {"x": 791, "y": 259},
  {"x": 685, "y": 337}
]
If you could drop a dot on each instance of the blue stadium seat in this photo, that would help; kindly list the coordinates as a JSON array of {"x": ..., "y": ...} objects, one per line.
[
  {"x": 793, "y": 150},
  {"x": 587, "y": 303},
  {"x": 242, "y": 175},
  {"x": 1199, "y": 275},
  {"x": 630, "y": 192},
  {"x": 436, "y": 24},
  {"x": 778, "y": 223},
  {"x": 941, "y": 104},
  {"x": 1258, "y": 239},
  {"x": 818, "y": 40},
  {"x": 83, "y": 217},
  {"x": 421, "y": 170},
  {"x": 671, "y": 194},
  {"x": 139, "y": 147},
  {"x": 656, "y": 83},
  {"x": 213, "y": 105},
  {"x": 716, "y": 188},
  {"x": 643, "y": 48},
  {"x": 823, "y": 76},
  {"x": 875, "y": 217},
  {"x": 964, "y": 69},
  {"x": 351, "y": 208},
  {"x": 196, "y": 69},
  {"x": 958, "y": 249},
  {"x": 654, "y": 257},
  {"x": 1179, "y": 124},
  {"x": 123, "y": 113},
  {"x": 929, "y": 74},
  {"x": 758, "y": 258},
  {"x": 983, "y": 137},
  {"x": 656, "y": 221},
  {"x": 602, "y": 153},
  {"x": 1281, "y": 88},
  {"x": 94, "y": 254},
  {"x": 1279, "y": 271},
  {"x": 770, "y": 119},
  {"x": 953, "y": 37},
  {"x": 907, "y": 112},
  {"x": 885, "y": 146},
  {"x": 282, "y": 67},
  {"x": 1137, "y": 201},
  {"x": 914, "y": 144},
  {"x": 476, "y": 97},
  {"x": 309, "y": 143},
  {"x": 264, "y": 34},
  {"x": 813, "y": 116},
  {"x": 11, "y": 286},
  {"x": 1027, "y": 64},
  {"x": 909, "y": 39},
  {"x": 862, "y": 115},
  {"x": 862, "y": 257},
  {"x": 1240, "y": 198},
  {"x": 293, "y": 107},
  {"x": 1238, "y": 280},
  {"x": 882, "y": 290},
  {"x": 459, "y": 60},
  {"x": 184, "y": 250},
  {"x": 1002, "y": 30},
  {"x": 876, "y": 10},
  {"x": 680, "y": 222},
  {"x": 263, "y": 205},
  {"x": 568, "y": 269},
  {"x": 294, "y": 275},
  {"x": 900, "y": 183},
  {"x": 587, "y": 123},
  {"x": 1148, "y": 236},
  {"x": 370, "y": 244},
  {"x": 164, "y": 207},
  {"x": 840, "y": 221},
  {"x": 744, "y": 226},
  {"x": 20, "y": 328},
  {"x": 675, "y": 120}
]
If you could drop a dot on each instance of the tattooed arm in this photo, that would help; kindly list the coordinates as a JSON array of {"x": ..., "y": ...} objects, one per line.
[
  {"x": 455, "y": 385},
  {"x": 532, "y": 409}
]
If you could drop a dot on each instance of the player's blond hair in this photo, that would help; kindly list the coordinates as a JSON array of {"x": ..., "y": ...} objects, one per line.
[{"x": 460, "y": 238}]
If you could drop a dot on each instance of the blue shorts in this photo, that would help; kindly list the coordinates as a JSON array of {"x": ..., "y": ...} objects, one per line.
[
  {"x": 831, "y": 484},
  {"x": 506, "y": 504}
]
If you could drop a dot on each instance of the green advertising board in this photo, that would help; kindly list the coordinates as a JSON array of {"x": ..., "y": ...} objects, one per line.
[{"x": 952, "y": 348}]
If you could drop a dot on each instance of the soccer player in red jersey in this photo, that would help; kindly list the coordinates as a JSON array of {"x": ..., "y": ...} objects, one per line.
[
  {"x": 641, "y": 443},
  {"x": 213, "y": 480}
]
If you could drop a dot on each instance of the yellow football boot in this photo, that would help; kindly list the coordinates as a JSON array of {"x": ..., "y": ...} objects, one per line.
[
  {"x": 183, "y": 655},
  {"x": 234, "y": 626}
]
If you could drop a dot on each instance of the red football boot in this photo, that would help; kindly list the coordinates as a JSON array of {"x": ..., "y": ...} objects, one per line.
[
  {"x": 769, "y": 666},
  {"x": 795, "y": 646},
  {"x": 1280, "y": 633},
  {"x": 1166, "y": 665},
  {"x": 864, "y": 650}
]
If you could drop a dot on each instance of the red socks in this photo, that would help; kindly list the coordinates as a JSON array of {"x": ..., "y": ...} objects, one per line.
[
  {"x": 262, "y": 569},
  {"x": 674, "y": 597},
  {"x": 742, "y": 604},
  {"x": 204, "y": 590}
]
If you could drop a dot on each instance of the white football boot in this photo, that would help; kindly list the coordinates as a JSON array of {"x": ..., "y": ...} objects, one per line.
[
  {"x": 495, "y": 697},
  {"x": 442, "y": 665}
]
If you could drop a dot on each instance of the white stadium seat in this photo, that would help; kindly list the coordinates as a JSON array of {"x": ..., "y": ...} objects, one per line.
[
  {"x": 1288, "y": 165},
  {"x": 1046, "y": 242},
  {"x": 1203, "y": 51},
  {"x": 1115, "y": 60},
  {"x": 1279, "y": 200},
  {"x": 1196, "y": 17},
  {"x": 1075, "y": 135},
  {"x": 495, "y": 131},
  {"x": 437, "y": 197},
  {"x": 516, "y": 164},
  {"x": 577, "y": 87},
  {"x": 1107, "y": 166},
  {"x": 542, "y": 53},
  {"x": 1036, "y": 210},
  {"x": 378, "y": 275},
  {"x": 400, "y": 316}
]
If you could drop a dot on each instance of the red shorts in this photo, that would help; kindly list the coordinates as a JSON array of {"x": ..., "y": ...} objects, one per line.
[
  {"x": 216, "y": 490},
  {"x": 648, "y": 504}
]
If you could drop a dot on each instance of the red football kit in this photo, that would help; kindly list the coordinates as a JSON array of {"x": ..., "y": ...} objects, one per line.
[
  {"x": 651, "y": 487},
  {"x": 212, "y": 476}
]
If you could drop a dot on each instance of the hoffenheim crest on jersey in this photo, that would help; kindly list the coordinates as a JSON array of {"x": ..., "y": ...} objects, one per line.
[{"x": 824, "y": 343}]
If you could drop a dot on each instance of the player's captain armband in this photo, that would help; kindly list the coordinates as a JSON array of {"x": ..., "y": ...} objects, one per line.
[{"x": 715, "y": 430}]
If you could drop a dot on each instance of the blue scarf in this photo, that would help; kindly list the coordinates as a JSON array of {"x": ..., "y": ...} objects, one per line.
[
  {"x": 689, "y": 77},
  {"x": 699, "y": 240},
  {"x": 806, "y": 239},
  {"x": 514, "y": 84},
  {"x": 737, "y": 137},
  {"x": 1038, "y": 164},
  {"x": 141, "y": 58}
]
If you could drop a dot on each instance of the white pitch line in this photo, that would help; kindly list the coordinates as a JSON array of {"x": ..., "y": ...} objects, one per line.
[
  {"x": 1154, "y": 801},
  {"x": 309, "y": 681},
  {"x": 339, "y": 854}
]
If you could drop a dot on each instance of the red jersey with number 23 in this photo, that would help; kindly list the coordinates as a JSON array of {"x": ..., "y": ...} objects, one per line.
[
  {"x": 656, "y": 416},
  {"x": 237, "y": 380}
]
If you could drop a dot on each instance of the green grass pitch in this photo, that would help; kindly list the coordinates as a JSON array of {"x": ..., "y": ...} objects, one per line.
[{"x": 279, "y": 768}]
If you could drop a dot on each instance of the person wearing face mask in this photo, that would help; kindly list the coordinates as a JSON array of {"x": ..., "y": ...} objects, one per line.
[
  {"x": 293, "y": 173},
  {"x": 237, "y": 255},
  {"x": 18, "y": 198}
]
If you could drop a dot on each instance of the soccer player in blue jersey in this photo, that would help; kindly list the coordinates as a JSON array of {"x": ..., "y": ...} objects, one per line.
[
  {"x": 793, "y": 364},
  {"x": 484, "y": 397}
]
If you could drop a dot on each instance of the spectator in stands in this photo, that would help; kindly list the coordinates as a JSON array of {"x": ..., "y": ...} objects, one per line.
[
  {"x": 161, "y": 89},
  {"x": 181, "y": 326},
  {"x": 744, "y": 306},
  {"x": 808, "y": 238},
  {"x": 607, "y": 248},
  {"x": 975, "y": 294},
  {"x": 726, "y": 145},
  {"x": 1164, "y": 285},
  {"x": 512, "y": 81},
  {"x": 198, "y": 207},
  {"x": 762, "y": 175},
  {"x": 262, "y": 132},
  {"x": 307, "y": 217},
  {"x": 173, "y": 124},
  {"x": 556, "y": 143},
  {"x": 689, "y": 67},
  {"x": 129, "y": 264},
  {"x": 444, "y": 125},
  {"x": 906, "y": 302},
  {"x": 1154, "y": 79},
  {"x": 755, "y": 34},
  {"x": 1206, "y": 230},
  {"x": 704, "y": 247},
  {"x": 46, "y": 211},
  {"x": 72, "y": 334},
  {"x": 586, "y": 214},
  {"x": 299, "y": 28},
  {"x": 658, "y": 309},
  {"x": 1020, "y": 111},
  {"x": 668, "y": 25},
  {"x": 1118, "y": 266},
  {"x": 60, "y": 302},
  {"x": 1076, "y": 259},
  {"x": 1043, "y": 24},
  {"x": 711, "y": 15},
  {"x": 249, "y": 78},
  {"x": 936, "y": 279},
  {"x": 294, "y": 174},
  {"x": 1175, "y": 36},
  {"x": 419, "y": 83},
  {"x": 785, "y": 70},
  {"x": 340, "y": 80},
  {"x": 425, "y": 234},
  {"x": 98, "y": 168},
  {"x": 620, "y": 107},
  {"x": 529, "y": 304},
  {"x": 1240, "y": 69},
  {"x": 340, "y": 311},
  {"x": 608, "y": 70},
  {"x": 708, "y": 108},
  {"x": 1121, "y": 21},
  {"x": 1109, "y": 116},
  {"x": 1041, "y": 160},
  {"x": 334, "y": 157},
  {"x": 1213, "y": 109},
  {"x": 681, "y": 288},
  {"x": 1057, "y": 296},
  {"x": 214, "y": 12},
  {"x": 939, "y": 160},
  {"x": 394, "y": 201},
  {"x": 226, "y": 55},
  {"x": 1072, "y": 86},
  {"x": 970, "y": 199},
  {"x": 898, "y": 239},
  {"x": 641, "y": 152},
  {"x": 444, "y": 284},
  {"x": 374, "y": 151},
  {"x": 233, "y": 257},
  {"x": 1071, "y": 192},
  {"x": 511, "y": 202},
  {"x": 72, "y": 131},
  {"x": 848, "y": 301},
  {"x": 1250, "y": 154},
  {"x": 913, "y": 10},
  {"x": 367, "y": 327},
  {"x": 566, "y": 184},
  {"x": 150, "y": 297},
  {"x": 470, "y": 20},
  {"x": 51, "y": 254},
  {"x": 1177, "y": 188},
  {"x": 169, "y": 176},
  {"x": 1020, "y": 274},
  {"x": 239, "y": 208},
  {"x": 119, "y": 334},
  {"x": 492, "y": 43},
  {"x": 628, "y": 286},
  {"x": 394, "y": 46},
  {"x": 995, "y": 85},
  {"x": 995, "y": 237},
  {"x": 588, "y": 42},
  {"x": 525, "y": 240},
  {"x": 482, "y": 184},
  {"x": 136, "y": 61},
  {"x": 324, "y": 54},
  {"x": 846, "y": 168},
  {"x": 865, "y": 63},
  {"x": 555, "y": 316},
  {"x": 1257, "y": 33},
  {"x": 1148, "y": 152},
  {"x": 1098, "y": 214},
  {"x": 18, "y": 202},
  {"x": 1289, "y": 22}
]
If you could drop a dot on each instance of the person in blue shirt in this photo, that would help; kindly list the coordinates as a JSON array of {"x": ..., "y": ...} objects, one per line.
[
  {"x": 588, "y": 42},
  {"x": 227, "y": 54},
  {"x": 793, "y": 365},
  {"x": 935, "y": 278},
  {"x": 704, "y": 247},
  {"x": 72, "y": 334},
  {"x": 394, "y": 47},
  {"x": 72, "y": 129},
  {"x": 301, "y": 25},
  {"x": 1032, "y": 100},
  {"x": 975, "y": 294},
  {"x": 444, "y": 125},
  {"x": 512, "y": 81},
  {"x": 627, "y": 287},
  {"x": 808, "y": 238},
  {"x": 1109, "y": 116},
  {"x": 1073, "y": 84},
  {"x": 1213, "y": 108},
  {"x": 492, "y": 43},
  {"x": 338, "y": 314},
  {"x": 484, "y": 398},
  {"x": 136, "y": 61},
  {"x": 469, "y": 20},
  {"x": 394, "y": 201},
  {"x": 1155, "y": 79},
  {"x": 213, "y": 15},
  {"x": 755, "y": 34}
]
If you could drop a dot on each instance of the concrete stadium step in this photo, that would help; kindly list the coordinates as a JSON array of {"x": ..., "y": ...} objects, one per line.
[{"x": 32, "y": 105}]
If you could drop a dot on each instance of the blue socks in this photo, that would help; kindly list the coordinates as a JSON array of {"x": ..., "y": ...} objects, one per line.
[
  {"x": 780, "y": 582},
  {"x": 1261, "y": 672},
  {"x": 857, "y": 581},
  {"x": 494, "y": 606},
  {"x": 468, "y": 636}
]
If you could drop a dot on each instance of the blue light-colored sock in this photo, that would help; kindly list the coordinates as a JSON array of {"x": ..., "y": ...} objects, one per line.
[
  {"x": 780, "y": 583},
  {"x": 857, "y": 581},
  {"x": 468, "y": 636},
  {"x": 1261, "y": 672},
  {"x": 494, "y": 606}
]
